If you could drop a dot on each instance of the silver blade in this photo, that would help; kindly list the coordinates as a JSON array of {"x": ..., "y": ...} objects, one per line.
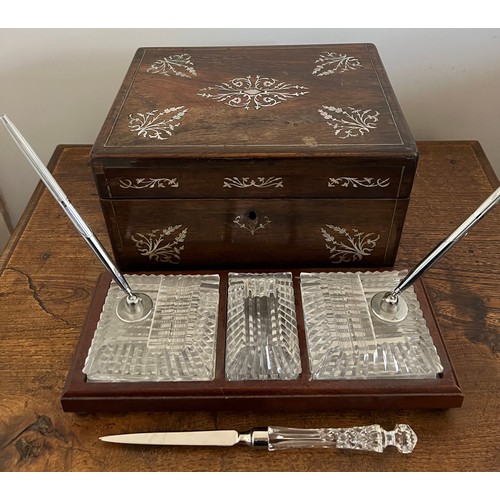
[{"x": 194, "y": 438}]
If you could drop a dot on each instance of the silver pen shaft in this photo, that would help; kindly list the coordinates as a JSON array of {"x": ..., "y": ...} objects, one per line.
[
  {"x": 448, "y": 242},
  {"x": 66, "y": 205}
]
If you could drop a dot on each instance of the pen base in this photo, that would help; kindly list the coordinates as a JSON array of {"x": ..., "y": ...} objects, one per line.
[
  {"x": 389, "y": 308},
  {"x": 132, "y": 311}
]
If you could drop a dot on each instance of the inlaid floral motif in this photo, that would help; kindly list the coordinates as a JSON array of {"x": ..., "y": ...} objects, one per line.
[
  {"x": 253, "y": 91},
  {"x": 176, "y": 65},
  {"x": 331, "y": 62},
  {"x": 365, "y": 182},
  {"x": 349, "y": 122},
  {"x": 246, "y": 182},
  {"x": 351, "y": 247},
  {"x": 156, "y": 124},
  {"x": 151, "y": 183},
  {"x": 252, "y": 225},
  {"x": 162, "y": 245}
]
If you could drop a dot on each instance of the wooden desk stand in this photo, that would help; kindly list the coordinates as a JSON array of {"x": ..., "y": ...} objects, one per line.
[{"x": 302, "y": 394}]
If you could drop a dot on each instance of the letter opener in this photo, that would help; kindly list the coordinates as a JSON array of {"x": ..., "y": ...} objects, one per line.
[{"x": 367, "y": 438}]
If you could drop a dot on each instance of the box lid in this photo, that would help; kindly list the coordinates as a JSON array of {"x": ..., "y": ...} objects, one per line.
[{"x": 305, "y": 101}]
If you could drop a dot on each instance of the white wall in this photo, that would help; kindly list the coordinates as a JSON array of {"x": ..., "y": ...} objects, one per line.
[
  {"x": 57, "y": 85},
  {"x": 4, "y": 233}
]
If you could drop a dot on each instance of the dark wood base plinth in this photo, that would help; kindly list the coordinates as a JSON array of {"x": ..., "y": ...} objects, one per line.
[{"x": 290, "y": 396}]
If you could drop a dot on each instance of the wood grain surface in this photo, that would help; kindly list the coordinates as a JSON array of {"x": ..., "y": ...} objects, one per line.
[{"x": 48, "y": 276}]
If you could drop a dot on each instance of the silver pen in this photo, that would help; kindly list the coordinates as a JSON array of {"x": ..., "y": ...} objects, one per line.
[
  {"x": 389, "y": 306},
  {"x": 273, "y": 438},
  {"x": 134, "y": 306}
]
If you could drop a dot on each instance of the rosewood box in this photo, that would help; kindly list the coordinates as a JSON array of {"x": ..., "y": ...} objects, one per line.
[{"x": 269, "y": 156}]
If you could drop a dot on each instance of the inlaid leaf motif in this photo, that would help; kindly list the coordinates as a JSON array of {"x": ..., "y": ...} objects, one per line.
[
  {"x": 331, "y": 62},
  {"x": 349, "y": 122},
  {"x": 256, "y": 91},
  {"x": 150, "y": 183},
  {"x": 246, "y": 182},
  {"x": 365, "y": 182},
  {"x": 351, "y": 246},
  {"x": 176, "y": 64},
  {"x": 159, "y": 245},
  {"x": 156, "y": 124},
  {"x": 251, "y": 225}
]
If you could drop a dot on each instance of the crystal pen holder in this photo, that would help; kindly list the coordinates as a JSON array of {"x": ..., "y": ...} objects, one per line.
[
  {"x": 262, "y": 338},
  {"x": 346, "y": 342},
  {"x": 283, "y": 340},
  {"x": 176, "y": 343}
]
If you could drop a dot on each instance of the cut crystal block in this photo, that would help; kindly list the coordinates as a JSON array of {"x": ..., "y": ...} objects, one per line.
[
  {"x": 177, "y": 342},
  {"x": 345, "y": 341},
  {"x": 261, "y": 338}
]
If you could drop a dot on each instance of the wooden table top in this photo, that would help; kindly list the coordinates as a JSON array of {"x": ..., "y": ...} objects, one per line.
[{"x": 48, "y": 276}]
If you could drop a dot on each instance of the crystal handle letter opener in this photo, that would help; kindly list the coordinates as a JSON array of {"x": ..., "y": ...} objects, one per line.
[
  {"x": 134, "y": 306},
  {"x": 367, "y": 438}
]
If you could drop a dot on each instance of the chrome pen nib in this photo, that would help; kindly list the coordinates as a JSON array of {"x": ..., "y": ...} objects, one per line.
[
  {"x": 390, "y": 306},
  {"x": 134, "y": 306}
]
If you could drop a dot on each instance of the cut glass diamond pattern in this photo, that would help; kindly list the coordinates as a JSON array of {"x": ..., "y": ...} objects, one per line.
[
  {"x": 346, "y": 342},
  {"x": 176, "y": 343},
  {"x": 261, "y": 338}
]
